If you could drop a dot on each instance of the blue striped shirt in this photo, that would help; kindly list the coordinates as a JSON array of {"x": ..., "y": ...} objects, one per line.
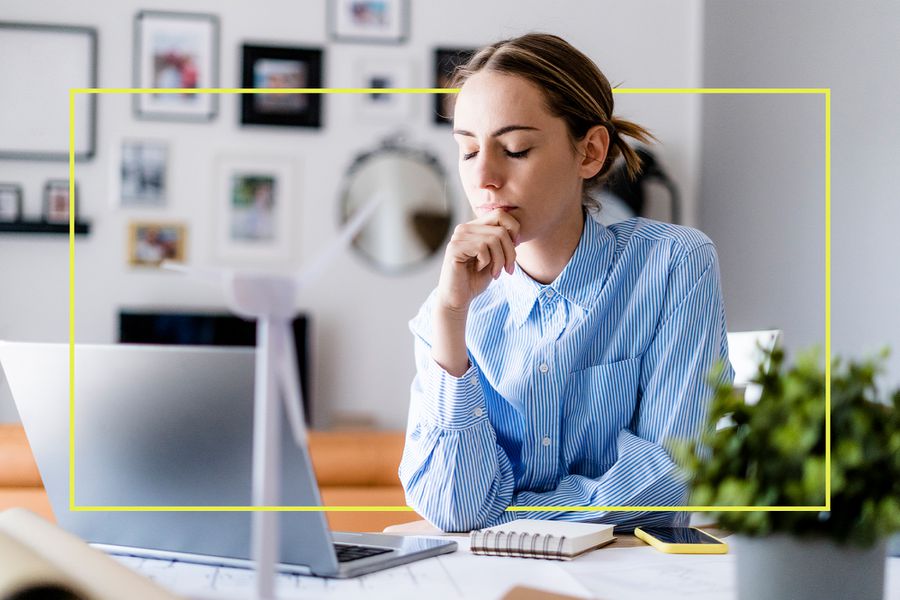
[{"x": 573, "y": 387}]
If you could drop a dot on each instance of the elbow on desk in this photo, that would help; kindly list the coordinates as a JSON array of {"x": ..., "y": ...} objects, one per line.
[
  {"x": 442, "y": 509},
  {"x": 445, "y": 516}
]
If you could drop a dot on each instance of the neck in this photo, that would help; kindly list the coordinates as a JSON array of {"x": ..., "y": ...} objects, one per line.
[{"x": 544, "y": 258}]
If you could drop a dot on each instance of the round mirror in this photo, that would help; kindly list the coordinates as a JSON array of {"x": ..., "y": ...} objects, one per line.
[{"x": 413, "y": 219}]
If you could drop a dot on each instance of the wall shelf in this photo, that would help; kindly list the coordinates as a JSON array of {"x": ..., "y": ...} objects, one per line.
[{"x": 81, "y": 227}]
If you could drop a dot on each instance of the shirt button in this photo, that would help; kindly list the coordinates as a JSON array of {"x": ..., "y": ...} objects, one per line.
[
  {"x": 549, "y": 293},
  {"x": 545, "y": 441},
  {"x": 473, "y": 380},
  {"x": 544, "y": 368},
  {"x": 478, "y": 412}
]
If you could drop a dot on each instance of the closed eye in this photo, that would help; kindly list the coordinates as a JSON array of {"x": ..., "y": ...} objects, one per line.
[{"x": 519, "y": 154}]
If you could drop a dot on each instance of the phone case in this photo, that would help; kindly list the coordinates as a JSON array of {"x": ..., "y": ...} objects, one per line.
[{"x": 721, "y": 548}]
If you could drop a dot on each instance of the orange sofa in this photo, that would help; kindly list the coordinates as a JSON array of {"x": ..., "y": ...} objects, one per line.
[{"x": 354, "y": 468}]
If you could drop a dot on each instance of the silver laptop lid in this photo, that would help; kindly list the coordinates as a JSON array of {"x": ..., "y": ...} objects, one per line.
[{"x": 159, "y": 426}]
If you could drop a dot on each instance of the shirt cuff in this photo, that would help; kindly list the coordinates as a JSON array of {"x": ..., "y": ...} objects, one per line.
[{"x": 453, "y": 402}]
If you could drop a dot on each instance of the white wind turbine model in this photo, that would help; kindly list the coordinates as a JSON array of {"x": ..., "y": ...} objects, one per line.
[{"x": 270, "y": 299}]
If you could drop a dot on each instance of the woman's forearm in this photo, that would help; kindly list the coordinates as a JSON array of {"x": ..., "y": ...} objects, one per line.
[{"x": 449, "y": 343}]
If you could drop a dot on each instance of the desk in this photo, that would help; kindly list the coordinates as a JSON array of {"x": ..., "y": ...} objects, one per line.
[{"x": 612, "y": 573}]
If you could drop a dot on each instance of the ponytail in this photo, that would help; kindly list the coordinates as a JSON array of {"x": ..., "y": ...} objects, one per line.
[{"x": 618, "y": 146}]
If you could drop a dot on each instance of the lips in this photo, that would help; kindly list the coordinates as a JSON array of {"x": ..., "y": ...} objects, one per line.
[{"x": 492, "y": 207}]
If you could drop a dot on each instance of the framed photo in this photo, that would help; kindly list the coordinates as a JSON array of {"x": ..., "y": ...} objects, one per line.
[
  {"x": 39, "y": 64},
  {"x": 445, "y": 62},
  {"x": 385, "y": 21},
  {"x": 143, "y": 173},
  {"x": 10, "y": 203},
  {"x": 253, "y": 202},
  {"x": 176, "y": 50},
  {"x": 57, "y": 203},
  {"x": 150, "y": 243},
  {"x": 374, "y": 73},
  {"x": 281, "y": 67}
]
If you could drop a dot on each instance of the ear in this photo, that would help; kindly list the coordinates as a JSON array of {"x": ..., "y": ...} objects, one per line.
[{"x": 594, "y": 147}]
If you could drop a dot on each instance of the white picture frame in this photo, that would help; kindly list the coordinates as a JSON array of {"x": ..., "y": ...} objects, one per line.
[
  {"x": 141, "y": 173},
  {"x": 253, "y": 209},
  {"x": 176, "y": 50},
  {"x": 36, "y": 83},
  {"x": 384, "y": 73},
  {"x": 369, "y": 21}
]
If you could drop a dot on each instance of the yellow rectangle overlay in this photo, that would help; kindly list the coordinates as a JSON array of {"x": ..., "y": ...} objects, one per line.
[{"x": 73, "y": 92}]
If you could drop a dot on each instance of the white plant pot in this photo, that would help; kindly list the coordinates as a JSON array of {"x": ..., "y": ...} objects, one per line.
[{"x": 783, "y": 566}]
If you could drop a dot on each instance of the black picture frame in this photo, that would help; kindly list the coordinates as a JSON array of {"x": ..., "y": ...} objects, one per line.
[
  {"x": 10, "y": 203},
  {"x": 148, "y": 106},
  {"x": 30, "y": 99},
  {"x": 281, "y": 66},
  {"x": 342, "y": 28},
  {"x": 53, "y": 211},
  {"x": 445, "y": 62}
]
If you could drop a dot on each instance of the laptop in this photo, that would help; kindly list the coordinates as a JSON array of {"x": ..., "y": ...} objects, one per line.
[{"x": 173, "y": 426}]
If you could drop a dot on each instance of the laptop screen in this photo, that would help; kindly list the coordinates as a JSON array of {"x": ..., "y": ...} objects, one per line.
[{"x": 210, "y": 329}]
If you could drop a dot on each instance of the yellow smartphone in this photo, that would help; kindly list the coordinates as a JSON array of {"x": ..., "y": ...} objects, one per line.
[{"x": 681, "y": 540}]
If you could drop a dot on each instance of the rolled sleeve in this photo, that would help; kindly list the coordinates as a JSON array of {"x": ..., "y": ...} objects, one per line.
[
  {"x": 453, "y": 471},
  {"x": 452, "y": 402}
]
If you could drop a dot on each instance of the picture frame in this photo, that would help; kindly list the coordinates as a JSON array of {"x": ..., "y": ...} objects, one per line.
[
  {"x": 57, "y": 203},
  {"x": 445, "y": 62},
  {"x": 369, "y": 21},
  {"x": 384, "y": 73},
  {"x": 253, "y": 202},
  {"x": 10, "y": 203},
  {"x": 142, "y": 173},
  {"x": 176, "y": 50},
  {"x": 31, "y": 121},
  {"x": 281, "y": 67},
  {"x": 151, "y": 242}
]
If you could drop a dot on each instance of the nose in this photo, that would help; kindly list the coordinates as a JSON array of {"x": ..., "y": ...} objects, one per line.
[{"x": 488, "y": 170}]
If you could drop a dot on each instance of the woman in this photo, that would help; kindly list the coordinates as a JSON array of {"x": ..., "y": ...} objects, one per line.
[{"x": 556, "y": 356}]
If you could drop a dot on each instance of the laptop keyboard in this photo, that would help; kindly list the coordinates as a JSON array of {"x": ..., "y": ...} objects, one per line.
[{"x": 348, "y": 552}]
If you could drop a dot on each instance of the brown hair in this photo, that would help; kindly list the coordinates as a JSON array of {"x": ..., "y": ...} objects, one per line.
[{"x": 574, "y": 89}]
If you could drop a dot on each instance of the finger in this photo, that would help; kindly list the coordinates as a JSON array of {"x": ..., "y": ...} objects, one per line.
[
  {"x": 498, "y": 260},
  {"x": 503, "y": 219},
  {"x": 472, "y": 251},
  {"x": 506, "y": 240},
  {"x": 509, "y": 252},
  {"x": 482, "y": 257},
  {"x": 504, "y": 256}
]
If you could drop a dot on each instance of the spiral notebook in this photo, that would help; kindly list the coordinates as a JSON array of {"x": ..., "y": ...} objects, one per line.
[{"x": 535, "y": 538}]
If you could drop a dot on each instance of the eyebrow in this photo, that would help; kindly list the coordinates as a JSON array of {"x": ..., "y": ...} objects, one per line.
[{"x": 499, "y": 132}]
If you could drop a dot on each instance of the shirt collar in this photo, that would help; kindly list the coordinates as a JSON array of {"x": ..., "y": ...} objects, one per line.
[{"x": 580, "y": 280}]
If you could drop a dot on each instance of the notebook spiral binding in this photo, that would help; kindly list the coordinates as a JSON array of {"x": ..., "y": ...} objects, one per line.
[{"x": 513, "y": 543}]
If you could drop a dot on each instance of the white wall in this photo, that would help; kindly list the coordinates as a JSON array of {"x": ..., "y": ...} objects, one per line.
[
  {"x": 362, "y": 350},
  {"x": 762, "y": 193}
]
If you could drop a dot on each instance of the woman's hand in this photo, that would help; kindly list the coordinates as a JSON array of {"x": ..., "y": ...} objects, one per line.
[{"x": 478, "y": 252}]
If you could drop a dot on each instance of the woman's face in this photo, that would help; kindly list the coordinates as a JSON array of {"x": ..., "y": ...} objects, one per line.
[{"x": 516, "y": 156}]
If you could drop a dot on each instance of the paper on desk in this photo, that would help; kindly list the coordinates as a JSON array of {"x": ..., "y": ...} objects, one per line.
[
  {"x": 647, "y": 574},
  {"x": 492, "y": 576},
  {"x": 449, "y": 576}
]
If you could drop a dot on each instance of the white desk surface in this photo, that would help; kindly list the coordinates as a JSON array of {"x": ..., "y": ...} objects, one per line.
[{"x": 609, "y": 574}]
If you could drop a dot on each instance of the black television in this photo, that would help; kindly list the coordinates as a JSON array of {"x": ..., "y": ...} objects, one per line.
[{"x": 140, "y": 326}]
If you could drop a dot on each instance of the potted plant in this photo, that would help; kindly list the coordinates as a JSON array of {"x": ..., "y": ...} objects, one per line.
[{"x": 772, "y": 453}]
